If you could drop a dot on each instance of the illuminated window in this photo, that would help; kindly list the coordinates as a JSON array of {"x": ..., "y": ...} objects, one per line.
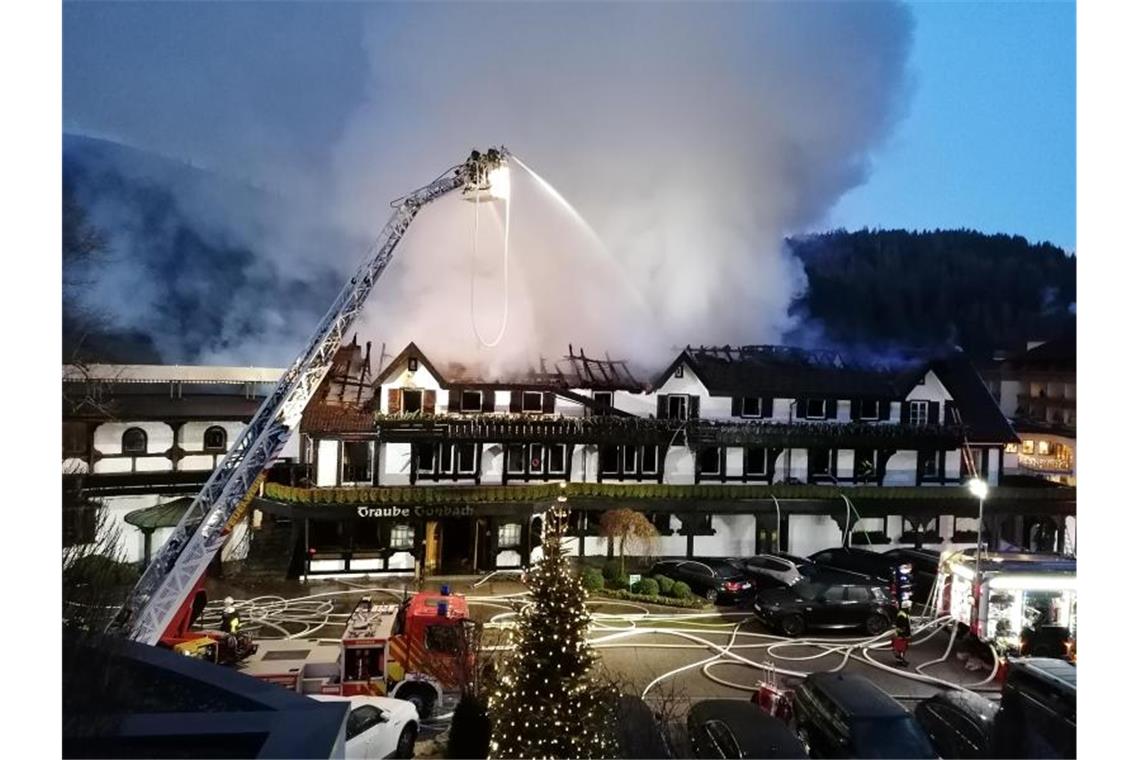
[
  {"x": 510, "y": 535},
  {"x": 1011, "y": 448},
  {"x": 402, "y": 537},
  {"x": 1042, "y": 447},
  {"x": 1027, "y": 446}
]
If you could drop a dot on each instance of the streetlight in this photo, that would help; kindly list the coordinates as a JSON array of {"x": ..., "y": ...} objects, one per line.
[{"x": 980, "y": 489}]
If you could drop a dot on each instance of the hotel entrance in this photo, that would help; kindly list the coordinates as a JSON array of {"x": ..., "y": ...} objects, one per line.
[{"x": 457, "y": 546}]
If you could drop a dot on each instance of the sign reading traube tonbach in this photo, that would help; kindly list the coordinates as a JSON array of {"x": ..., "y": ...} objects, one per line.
[{"x": 437, "y": 511}]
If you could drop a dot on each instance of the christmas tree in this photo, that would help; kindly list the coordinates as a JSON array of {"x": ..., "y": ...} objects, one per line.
[{"x": 547, "y": 704}]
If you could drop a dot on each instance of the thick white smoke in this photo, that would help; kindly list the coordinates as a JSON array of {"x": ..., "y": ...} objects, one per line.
[{"x": 693, "y": 137}]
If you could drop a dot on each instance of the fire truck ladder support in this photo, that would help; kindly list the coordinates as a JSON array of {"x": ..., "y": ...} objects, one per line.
[{"x": 180, "y": 563}]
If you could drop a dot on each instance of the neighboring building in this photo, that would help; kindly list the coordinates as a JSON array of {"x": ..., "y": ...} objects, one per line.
[
  {"x": 143, "y": 439},
  {"x": 1037, "y": 390},
  {"x": 729, "y": 450}
]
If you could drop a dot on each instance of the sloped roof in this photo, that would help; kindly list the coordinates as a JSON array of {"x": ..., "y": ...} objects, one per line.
[
  {"x": 165, "y": 515},
  {"x": 980, "y": 413},
  {"x": 329, "y": 418},
  {"x": 1059, "y": 355},
  {"x": 787, "y": 371}
]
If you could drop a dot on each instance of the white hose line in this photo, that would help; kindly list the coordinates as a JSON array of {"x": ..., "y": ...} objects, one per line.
[
  {"x": 945, "y": 655},
  {"x": 506, "y": 274},
  {"x": 683, "y": 668}
]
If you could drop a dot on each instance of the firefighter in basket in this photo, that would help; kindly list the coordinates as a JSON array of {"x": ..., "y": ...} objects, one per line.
[{"x": 901, "y": 640}]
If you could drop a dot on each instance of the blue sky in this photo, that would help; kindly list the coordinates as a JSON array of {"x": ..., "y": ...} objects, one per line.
[{"x": 990, "y": 138}]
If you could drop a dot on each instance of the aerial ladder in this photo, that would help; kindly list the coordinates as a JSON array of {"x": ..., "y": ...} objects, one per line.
[{"x": 166, "y": 598}]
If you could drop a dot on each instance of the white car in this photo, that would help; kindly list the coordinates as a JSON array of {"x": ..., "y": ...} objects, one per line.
[
  {"x": 377, "y": 726},
  {"x": 784, "y": 570}
]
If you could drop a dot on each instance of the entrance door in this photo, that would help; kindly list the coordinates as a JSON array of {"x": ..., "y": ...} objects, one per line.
[
  {"x": 457, "y": 545},
  {"x": 482, "y": 561},
  {"x": 432, "y": 547},
  {"x": 767, "y": 533}
]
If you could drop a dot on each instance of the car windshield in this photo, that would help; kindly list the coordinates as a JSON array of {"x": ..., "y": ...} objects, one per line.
[
  {"x": 890, "y": 738},
  {"x": 806, "y": 590},
  {"x": 730, "y": 568}
]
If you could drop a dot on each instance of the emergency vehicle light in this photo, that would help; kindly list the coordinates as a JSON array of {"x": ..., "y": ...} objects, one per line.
[{"x": 441, "y": 609}]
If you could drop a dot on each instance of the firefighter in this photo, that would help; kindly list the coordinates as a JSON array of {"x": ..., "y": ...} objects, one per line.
[
  {"x": 230, "y": 622},
  {"x": 901, "y": 640}
]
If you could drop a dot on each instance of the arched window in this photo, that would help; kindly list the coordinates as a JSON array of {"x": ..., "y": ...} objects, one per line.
[
  {"x": 215, "y": 438},
  {"x": 134, "y": 441}
]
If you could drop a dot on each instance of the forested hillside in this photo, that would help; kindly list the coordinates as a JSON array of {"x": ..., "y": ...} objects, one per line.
[{"x": 946, "y": 287}]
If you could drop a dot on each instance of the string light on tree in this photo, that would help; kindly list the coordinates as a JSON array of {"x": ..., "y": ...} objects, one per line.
[{"x": 548, "y": 669}]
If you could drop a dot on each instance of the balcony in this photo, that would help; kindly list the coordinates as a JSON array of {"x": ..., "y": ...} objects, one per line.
[
  {"x": 649, "y": 431},
  {"x": 1046, "y": 464}
]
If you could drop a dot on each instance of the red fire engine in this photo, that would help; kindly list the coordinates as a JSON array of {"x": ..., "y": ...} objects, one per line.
[{"x": 414, "y": 651}]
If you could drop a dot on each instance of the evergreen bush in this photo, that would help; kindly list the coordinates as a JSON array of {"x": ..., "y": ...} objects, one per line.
[
  {"x": 681, "y": 590},
  {"x": 664, "y": 584},
  {"x": 592, "y": 579},
  {"x": 646, "y": 586}
]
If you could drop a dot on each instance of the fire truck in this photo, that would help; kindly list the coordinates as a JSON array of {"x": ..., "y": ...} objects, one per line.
[
  {"x": 415, "y": 650},
  {"x": 1021, "y": 603}
]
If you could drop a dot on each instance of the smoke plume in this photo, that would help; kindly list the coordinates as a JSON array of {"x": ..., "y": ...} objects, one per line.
[{"x": 692, "y": 138}]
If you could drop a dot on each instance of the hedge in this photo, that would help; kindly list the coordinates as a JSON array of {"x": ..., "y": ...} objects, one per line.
[
  {"x": 690, "y": 602},
  {"x": 460, "y": 495}
]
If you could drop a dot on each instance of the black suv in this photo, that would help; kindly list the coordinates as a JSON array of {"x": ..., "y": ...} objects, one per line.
[
  {"x": 869, "y": 565},
  {"x": 840, "y": 715},
  {"x": 718, "y": 580},
  {"x": 731, "y": 728},
  {"x": 959, "y": 723},
  {"x": 825, "y": 602}
]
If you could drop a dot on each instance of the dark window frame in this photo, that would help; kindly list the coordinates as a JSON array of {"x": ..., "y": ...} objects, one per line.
[
  {"x": 621, "y": 469},
  {"x": 215, "y": 447},
  {"x": 682, "y": 404},
  {"x": 822, "y": 409},
  {"x": 463, "y": 396},
  {"x": 134, "y": 450},
  {"x": 523, "y": 401},
  {"x": 744, "y": 404},
  {"x": 404, "y": 400},
  {"x": 747, "y": 461},
  {"x": 349, "y": 472}
]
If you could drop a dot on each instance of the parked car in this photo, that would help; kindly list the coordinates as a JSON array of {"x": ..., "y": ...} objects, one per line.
[
  {"x": 639, "y": 732},
  {"x": 1038, "y": 712},
  {"x": 866, "y": 564},
  {"x": 377, "y": 726},
  {"x": 843, "y": 715},
  {"x": 731, "y": 728},
  {"x": 826, "y": 602},
  {"x": 959, "y": 723},
  {"x": 716, "y": 579},
  {"x": 775, "y": 570}
]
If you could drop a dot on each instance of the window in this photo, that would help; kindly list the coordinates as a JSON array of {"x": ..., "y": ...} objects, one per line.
[
  {"x": 531, "y": 401},
  {"x": 134, "y": 441},
  {"x": 214, "y": 438},
  {"x": 678, "y": 407},
  {"x": 413, "y": 401},
  {"x": 833, "y": 594},
  {"x": 927, "y": 465},
  {"x": 516, "y": 459},
  {"x": 629, "y": 459},
  {"x": 443, "y": 638},
  {"x": 865, "y": 410},
  {"x": 820, "y": 462},
  {"x": 750, "y": 406},
  {"x": 680, "y": 372},
  {"x": 556, "y": 458},
  {"x": 362, "y": 718},
  {"x": 649, "y": 460},
  {"x": 510, "y": 535},
  {"x": 535, "y": 464},
  {"x": 425, "y": 458},
  {"x": 865, "y": 470},
  {"x": 755, "y": 461},
  {"x": 402, "y": 537},
  {"x": 465, "y": 458},
  {"x": 413, "y": 364},
  {"x": 1042, "y": 447},
  {"x": 1027, "y": 446},
  {"x": 918, "y": 412},
  {"x": 603, "y": 401},
  {"x": 815, "y": 409},
  {"x": 610, "y": 457},
  {"x": 356, "y": 465},
  {"x": 471, "y": 401},
  {"x": 858, "y": 594},
  {"x": 709, "y": 461},
  {"x": 445, "y": 458}
]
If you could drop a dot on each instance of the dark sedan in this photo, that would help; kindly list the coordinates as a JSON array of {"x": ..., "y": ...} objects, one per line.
[
  {"x": 959, "y": 723},
  {"x": 732, "y": 728},
  {"x": 718, "y": 580},
  {"x": 825, "y": 603}
]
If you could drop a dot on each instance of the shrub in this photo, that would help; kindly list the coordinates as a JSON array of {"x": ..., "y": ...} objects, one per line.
[
  {"x": 99, "y": 570},
  {"x": 689, "y": 602},
  {"x": 665, "y": 584},
  {"x": 681, "y": 590},
  {"x": 592, "y": 579},
  {"x": 611, "y": 570},
  {"x": 647, "y": 587},
  {"x": 620, "y": 582}
]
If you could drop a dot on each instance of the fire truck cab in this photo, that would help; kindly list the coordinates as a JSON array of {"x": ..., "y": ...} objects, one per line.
[{"x": 413, "y": 651}]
